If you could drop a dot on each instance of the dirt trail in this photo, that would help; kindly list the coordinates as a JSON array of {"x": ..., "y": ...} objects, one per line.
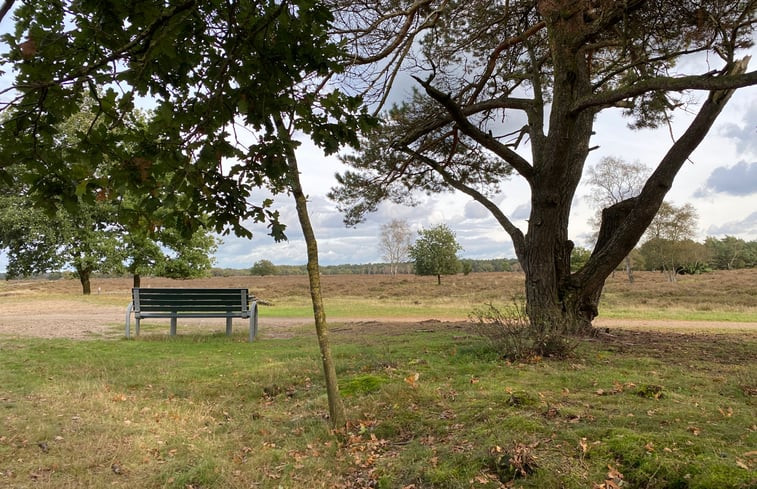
[{"x": 74, "y": 319}]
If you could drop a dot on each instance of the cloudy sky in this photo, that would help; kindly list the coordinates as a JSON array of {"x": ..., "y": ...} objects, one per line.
[{"x": 720, "y": 181}]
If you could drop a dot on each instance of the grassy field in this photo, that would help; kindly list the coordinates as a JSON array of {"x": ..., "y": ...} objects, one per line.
[{"x": 431, "y": 405}]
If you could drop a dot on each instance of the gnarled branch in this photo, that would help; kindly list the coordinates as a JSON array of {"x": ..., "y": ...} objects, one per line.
[
  {"x": 515, "y": 233},
  {"x": 731, "y": 79},
  {"x": 515, "y": 160}
]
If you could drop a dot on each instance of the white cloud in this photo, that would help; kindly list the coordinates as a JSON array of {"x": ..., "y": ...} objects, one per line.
[
  {"x": 474, "y": 210},
  {"x": 743, "y": 132},
  {"x": 739, "y": 179},
  {"x": 521, "y": 212},
  {"x": 745, "y": 228}
]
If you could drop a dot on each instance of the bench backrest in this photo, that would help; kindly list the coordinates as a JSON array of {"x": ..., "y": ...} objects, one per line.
[{"x": 190, "y": 300}]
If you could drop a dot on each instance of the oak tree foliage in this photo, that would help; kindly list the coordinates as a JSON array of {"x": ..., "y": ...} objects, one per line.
[
  {"x": 213, "y": 72},
  {"x": 231, "y": 83},
  {"x": 107, "y": 234},
  {"x": 435, "y": 252},
  {"x": 36, "y": 242}
]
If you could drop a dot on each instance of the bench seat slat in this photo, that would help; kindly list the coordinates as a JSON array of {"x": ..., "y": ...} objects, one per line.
[
  {"x": 186, "y": 297},
  {"x": 183, "y": 309},
  {"x": 190, "y": 291},
  {"x": 156, "y": 314},
  {"x": 190, "y": 305}
]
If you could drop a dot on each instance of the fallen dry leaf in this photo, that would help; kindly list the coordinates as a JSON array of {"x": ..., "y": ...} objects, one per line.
[
  {"x": 412, "y": 380},
  {"x": 613, "y": 473},
  {"x": 584, "y": 446}
]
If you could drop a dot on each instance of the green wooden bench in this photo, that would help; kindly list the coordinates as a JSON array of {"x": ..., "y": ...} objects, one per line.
[{"x": 192, "y": 303}]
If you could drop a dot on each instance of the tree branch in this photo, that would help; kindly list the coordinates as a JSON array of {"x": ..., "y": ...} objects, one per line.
[
  {"x": 496, "y": 103},
  {"x": 515, "y": 233},
  {"x": 515, "y": 160},
  {"x": 7, "y": 5},
  {"x": 647, "y": 203},
  {"x": 399, "y": 38},
  {"x": 725, "y": 81},
  {"x": 491, "y": 64}
]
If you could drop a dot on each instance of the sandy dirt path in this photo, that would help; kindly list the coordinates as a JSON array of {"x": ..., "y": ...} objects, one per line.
[{"x": 74, "y": 319}]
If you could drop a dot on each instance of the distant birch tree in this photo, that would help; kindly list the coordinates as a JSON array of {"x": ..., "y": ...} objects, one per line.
[
  {"x": 613, "y": 181},
  {"x": 394, "y": 242}
]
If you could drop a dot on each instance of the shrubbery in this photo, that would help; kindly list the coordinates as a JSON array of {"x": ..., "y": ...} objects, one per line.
[{"x": 516, "y": 337}]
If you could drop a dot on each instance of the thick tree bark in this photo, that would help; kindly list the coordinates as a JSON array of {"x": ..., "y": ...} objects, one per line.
[
  {"x": 336, "y": 406},
  {"x": 551, "y": 300},
  {"x": 569, "y": 302},
  {"x": 137, "y": 281},
  {"x": 556, "y": 297}
]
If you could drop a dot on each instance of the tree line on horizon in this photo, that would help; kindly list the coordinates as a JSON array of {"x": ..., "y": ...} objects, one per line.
[{"x": 727, "y": 253}]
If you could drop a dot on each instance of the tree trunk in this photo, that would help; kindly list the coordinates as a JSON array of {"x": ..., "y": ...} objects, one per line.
[
  {"x": 557, "y": 298},
  {"x": 671, "y": 273},
  {"x": 629, "y": 270},
  {"x": 137, "y": 281},
  {"x": 336, "y": 406},
  {"x": 84, "y": 278},
  {"x": 439, "y": 279}
]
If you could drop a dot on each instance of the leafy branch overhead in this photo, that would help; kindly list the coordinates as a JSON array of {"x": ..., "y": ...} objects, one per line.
[{"x": 213, "y": 71}]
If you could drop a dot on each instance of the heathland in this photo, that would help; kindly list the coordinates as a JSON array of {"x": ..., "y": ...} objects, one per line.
[{"x": 663, "y": 398}]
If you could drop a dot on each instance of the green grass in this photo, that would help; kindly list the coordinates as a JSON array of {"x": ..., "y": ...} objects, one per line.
[
  {"x": 679, "y": 314},
  {"x": 361, "y": 307},
  {"x": 357, "y": 307},
  {"x": 433, "y": 409}
]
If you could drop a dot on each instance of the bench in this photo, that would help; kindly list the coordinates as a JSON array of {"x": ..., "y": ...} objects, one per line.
[{"x": 192, "y": 303}]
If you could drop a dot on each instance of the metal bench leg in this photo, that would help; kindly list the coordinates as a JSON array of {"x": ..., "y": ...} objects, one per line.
[
  {"x": 173, "y": 326},
  {"x": 128, "y": 319},
  {"x": 228, "y": 326},
  {"x": 136, "y": 328},
  {"x": 254, "y": 322}
]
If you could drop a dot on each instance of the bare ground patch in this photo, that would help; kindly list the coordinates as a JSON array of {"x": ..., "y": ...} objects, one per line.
[{"x": 63, "y": 318}]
